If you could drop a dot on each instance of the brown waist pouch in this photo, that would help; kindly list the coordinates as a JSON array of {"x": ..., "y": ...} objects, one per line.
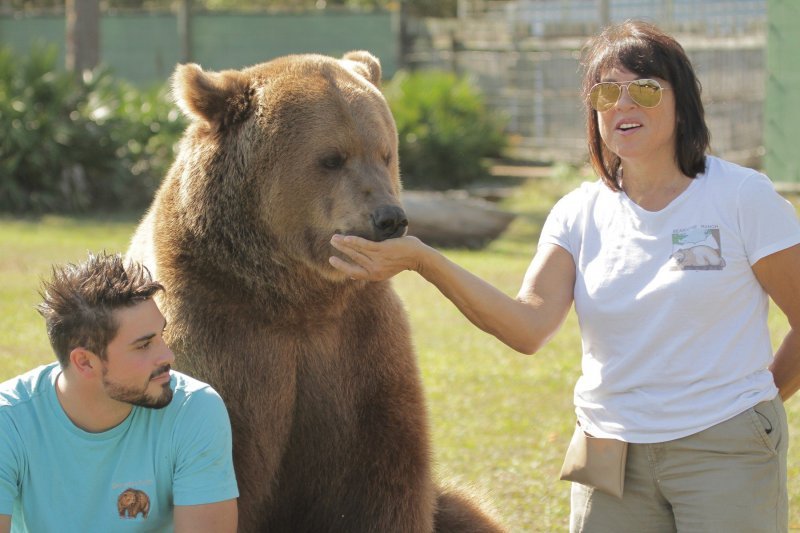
[{"x": 596, "y": 462}]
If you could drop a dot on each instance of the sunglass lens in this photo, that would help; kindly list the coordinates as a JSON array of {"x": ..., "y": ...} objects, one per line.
[
  {"x": 646, "y": 93},
  {"x": 603, "y": 96}
]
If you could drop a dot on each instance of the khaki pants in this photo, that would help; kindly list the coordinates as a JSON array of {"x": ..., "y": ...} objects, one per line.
[{"x": 728, "y": 478}]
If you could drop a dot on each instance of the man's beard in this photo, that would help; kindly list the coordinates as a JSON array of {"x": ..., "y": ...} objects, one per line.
[{"x": 139, "y": 397}]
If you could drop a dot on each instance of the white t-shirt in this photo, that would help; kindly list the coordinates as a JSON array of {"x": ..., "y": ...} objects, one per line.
[{"x": 672, "y": 319}]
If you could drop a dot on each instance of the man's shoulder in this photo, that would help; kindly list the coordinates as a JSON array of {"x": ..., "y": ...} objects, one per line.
[
  {"x": 189, "y": 391},
  {"x": 188, "y": 384},
  {"x": 195, "y": 407},
  {"x": 25, "y": 387}
]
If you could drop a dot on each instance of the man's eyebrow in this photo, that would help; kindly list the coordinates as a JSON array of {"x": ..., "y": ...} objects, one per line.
[
  {"x": 143, "y": 338},
  {"x": 149, "y": 336}
]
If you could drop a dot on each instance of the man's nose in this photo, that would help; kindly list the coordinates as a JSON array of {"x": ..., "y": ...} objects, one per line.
[{"x": 165, "y": 356}]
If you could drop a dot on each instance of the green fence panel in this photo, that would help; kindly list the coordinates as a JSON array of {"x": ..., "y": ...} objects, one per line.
[
  {"x": 141, "y": 48},
  {"x": 246, "y": 39},
  {"x": 21, "y": 33},
  {"x": 145, "y": 48},
  {"x": 782, "y": 102}
]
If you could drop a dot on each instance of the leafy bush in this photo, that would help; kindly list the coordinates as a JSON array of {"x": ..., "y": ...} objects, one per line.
[
  {"x": 445, "y": 130},
  {"x": 72, "y": 144},
  {"x": 143, "y": 126}
]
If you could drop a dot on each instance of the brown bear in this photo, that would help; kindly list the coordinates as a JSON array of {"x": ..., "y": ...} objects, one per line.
[{"x": 330, "y": 430}]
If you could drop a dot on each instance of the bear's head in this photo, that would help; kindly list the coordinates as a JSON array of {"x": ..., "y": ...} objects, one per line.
[{"x": 284, "y": 154}]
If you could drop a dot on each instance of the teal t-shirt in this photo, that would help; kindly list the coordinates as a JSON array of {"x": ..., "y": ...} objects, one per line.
[{"x": 55, "y": 477}]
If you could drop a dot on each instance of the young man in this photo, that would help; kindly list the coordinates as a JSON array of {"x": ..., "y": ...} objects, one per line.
[{"x": 109, "y": 438}]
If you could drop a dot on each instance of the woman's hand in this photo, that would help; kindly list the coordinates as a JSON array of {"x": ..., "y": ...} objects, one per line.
[{"x": 377, "y": 261}]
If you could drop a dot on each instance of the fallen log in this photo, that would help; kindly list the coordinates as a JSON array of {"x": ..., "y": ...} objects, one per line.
[{"x": 453, "y": 219}]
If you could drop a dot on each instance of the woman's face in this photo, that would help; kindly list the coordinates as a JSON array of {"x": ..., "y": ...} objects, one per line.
[{"x": 636, "y": 133}]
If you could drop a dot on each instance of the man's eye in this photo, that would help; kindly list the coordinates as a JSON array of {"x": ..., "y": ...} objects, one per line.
[{"x": 144, "y": 345}]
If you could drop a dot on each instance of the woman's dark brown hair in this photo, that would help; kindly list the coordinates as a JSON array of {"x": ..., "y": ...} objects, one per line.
[{"x": 645, "y": 50}]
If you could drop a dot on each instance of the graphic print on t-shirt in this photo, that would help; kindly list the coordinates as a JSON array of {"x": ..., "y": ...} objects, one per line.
[
  {"x": 132, "y": 502},
  {"x": 697, "y": 248}
]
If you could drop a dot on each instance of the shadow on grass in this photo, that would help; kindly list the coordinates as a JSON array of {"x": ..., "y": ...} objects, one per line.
[{"x": 77, "y": 220}]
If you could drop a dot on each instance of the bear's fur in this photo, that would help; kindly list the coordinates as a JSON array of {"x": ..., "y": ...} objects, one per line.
[{"x": 317, "y": 371}]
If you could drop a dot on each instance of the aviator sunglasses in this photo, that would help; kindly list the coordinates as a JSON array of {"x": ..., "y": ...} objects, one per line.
[{"x": 645, "y": 93}]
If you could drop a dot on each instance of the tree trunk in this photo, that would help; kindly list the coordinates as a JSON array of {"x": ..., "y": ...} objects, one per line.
[
  {"x": 83, "y": 34},
  {"x": 185, "y": 29}
]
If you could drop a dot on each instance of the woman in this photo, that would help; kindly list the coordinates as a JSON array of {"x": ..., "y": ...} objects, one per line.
[{"x": 670, "y": 258}]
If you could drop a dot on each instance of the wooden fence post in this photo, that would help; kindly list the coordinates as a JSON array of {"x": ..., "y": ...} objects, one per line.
[
  {"x": 83, "y": 35},
  {"x": 185, "y": 29}
]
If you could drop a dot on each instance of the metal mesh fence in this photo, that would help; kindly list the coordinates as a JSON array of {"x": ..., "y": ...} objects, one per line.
[
  {"x": 709, "y": 17},
  {"x": 524, "y": 56}
]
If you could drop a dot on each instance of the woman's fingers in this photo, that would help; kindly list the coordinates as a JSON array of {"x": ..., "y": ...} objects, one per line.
[
  {"x": 349, "y": 269},
  {"x": 361, "y": 265},
  {"x": 352, "y": 248},
  {"x": 369, "y": 260}
]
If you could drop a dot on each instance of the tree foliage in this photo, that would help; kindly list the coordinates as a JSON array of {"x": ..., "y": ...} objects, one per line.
[
  {"x": 70, "y": 144},
  {"x": 446, "y": 132}
]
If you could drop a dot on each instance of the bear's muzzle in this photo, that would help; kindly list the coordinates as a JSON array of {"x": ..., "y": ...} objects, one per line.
[{"x": 388, "y": 222}]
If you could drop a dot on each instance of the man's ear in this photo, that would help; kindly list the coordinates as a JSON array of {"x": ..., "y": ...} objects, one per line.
[{"x": 85, "y": 362}]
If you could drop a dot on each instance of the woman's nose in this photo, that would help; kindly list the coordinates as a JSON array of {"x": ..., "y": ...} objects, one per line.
[{"x": 624, "y": 99}]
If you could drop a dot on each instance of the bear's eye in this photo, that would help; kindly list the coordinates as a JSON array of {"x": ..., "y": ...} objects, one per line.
[{"x": 333, "y": 161}]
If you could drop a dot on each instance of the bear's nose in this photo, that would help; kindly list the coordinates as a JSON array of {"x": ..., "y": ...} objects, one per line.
[{"x": 389, "y": 221}]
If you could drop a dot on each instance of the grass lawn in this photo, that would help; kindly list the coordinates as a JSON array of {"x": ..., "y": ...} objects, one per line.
[{"x": 500, "y": 421}]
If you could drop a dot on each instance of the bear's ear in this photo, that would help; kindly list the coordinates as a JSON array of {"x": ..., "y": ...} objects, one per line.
[
  {"x": 365, "y": 64},
  {"x": 220, "y": 98}
]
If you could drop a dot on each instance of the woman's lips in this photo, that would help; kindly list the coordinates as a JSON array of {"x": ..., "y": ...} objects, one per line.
[{"x": 626, "y": 124}]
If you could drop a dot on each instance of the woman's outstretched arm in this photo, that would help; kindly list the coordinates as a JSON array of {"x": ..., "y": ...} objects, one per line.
[{"x": 524, "y": 323}]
